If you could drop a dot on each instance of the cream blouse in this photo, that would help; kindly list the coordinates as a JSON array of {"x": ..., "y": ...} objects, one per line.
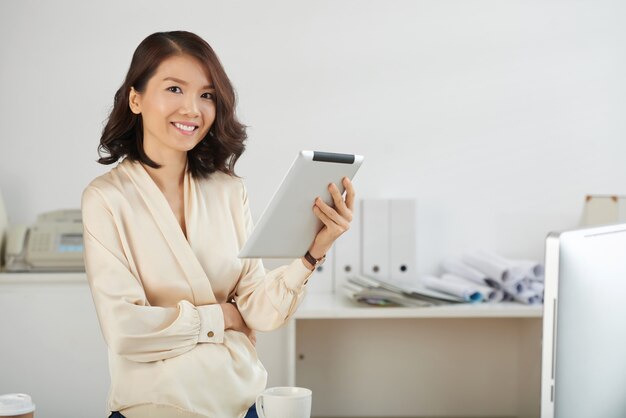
[{"x": 157, "y": 293}]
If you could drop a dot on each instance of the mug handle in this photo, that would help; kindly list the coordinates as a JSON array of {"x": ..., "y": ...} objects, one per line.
[{"x": 259, "y": 406}]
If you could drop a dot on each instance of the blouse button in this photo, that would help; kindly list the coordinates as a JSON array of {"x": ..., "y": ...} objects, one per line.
[{"x": 210, "y": 334}]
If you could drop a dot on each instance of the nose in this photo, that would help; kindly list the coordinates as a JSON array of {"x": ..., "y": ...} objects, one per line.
[{"x": 190, "y": 107}]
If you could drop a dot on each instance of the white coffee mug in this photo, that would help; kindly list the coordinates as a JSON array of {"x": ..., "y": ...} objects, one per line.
[
  {"x": 284, "y": 402},
  {"x": 16, "y": 405}
]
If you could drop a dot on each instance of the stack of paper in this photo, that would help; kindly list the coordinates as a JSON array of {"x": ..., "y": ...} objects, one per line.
[{"x": 376, "y": 291}]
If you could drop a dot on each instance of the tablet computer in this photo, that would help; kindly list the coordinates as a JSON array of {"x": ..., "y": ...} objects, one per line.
[{"x": 287, "y": 226}]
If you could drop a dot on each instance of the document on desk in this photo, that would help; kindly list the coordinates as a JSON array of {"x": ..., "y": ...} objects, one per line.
[
  {"x": 409, "y": 288},
  {"x": 378, "y": 296}
]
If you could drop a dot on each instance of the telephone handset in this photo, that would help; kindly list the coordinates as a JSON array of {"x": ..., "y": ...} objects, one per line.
[{"x": 53, "y": 243}]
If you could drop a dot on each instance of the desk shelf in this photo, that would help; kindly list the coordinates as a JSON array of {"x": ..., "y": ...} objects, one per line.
[
  {"x": 327, "y": 306},
  {"x": 39, "y": 278}
]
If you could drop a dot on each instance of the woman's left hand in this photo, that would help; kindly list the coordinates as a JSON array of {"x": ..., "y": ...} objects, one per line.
[{"x": 336, "y": 220}]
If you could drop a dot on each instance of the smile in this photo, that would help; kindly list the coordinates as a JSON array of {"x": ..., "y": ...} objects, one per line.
[{"x": 184, "y": 129}]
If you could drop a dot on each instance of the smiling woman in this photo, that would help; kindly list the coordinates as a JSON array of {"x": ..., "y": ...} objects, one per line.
[
  {"x": 169, "y": 71},
  {"x": 175, "y": 120},
  {"x": 162, "y": 230}
]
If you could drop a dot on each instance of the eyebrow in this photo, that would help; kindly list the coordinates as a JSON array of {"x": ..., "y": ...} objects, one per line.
[{"x": 184, "y": 83}]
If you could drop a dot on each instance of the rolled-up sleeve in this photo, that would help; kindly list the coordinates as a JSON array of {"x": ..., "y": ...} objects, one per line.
[{"x": 130, "y": 326}]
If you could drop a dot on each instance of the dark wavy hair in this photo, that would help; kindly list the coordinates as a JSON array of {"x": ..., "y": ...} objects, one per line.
[{"x": 122, "y": 135}]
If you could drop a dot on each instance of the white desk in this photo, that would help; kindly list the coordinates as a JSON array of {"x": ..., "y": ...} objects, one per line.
[
  {"x": 445, "y": 361},
  {"x": 325, "y": 306},
  {"x": 455, "y": 360}
]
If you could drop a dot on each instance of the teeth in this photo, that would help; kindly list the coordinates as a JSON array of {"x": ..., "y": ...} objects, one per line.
[{"x": 184, "y": 127}]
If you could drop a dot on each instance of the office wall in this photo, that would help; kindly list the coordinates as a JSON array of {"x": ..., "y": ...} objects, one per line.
[{"x": 497, "y": 116}]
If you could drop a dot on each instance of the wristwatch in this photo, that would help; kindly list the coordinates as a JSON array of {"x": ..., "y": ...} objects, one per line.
[{"x": 314, "y": 261}]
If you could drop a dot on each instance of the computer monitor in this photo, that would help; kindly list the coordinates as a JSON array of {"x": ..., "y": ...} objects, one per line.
[{"x": 584, "y": 324}]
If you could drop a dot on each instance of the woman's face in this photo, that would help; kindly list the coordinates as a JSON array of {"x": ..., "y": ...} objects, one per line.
[{"x": 177, "y": 108}]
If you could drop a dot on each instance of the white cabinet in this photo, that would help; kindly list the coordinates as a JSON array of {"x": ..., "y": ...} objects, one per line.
[
  {"x": 51, "y": 346},
  {"x": 461, "y": 360}
]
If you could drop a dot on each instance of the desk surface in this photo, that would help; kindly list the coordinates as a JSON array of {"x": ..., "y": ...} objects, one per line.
[
  {"x": 330, "y": 305},
  {"x": 45, "y": 278},
  {"x": 327, "y": 306}
]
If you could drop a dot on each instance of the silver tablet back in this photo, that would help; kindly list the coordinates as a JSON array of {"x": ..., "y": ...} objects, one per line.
[
  {"x": 288, "y": 225},
  {"x": 584, "y": 324}
]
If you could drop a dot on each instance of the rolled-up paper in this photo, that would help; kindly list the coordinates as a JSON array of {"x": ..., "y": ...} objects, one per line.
[
  {"x": 460, "y": 269},
  {"x": 494, "y": 268},
  {"x": 536, "y": 287},
  {"x": 467, "y": 293},
  {"x": 489, "y": 294},
  {"x": 529, "y": 268},
  {"x": 515, "y": 287},
  {"x": 528, "y": 297}
]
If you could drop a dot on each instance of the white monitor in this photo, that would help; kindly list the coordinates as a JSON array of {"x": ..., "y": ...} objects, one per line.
[{"x": 584, "y": 324}]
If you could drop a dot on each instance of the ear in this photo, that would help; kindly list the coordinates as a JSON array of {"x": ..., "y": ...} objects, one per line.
[{"x": 134, "y": 101}]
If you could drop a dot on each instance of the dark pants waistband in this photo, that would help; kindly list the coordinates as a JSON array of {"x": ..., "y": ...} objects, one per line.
[{"x": 250, "y": 414}]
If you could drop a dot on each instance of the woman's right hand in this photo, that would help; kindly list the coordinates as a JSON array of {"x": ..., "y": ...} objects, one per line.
[{"x": 233, "y": 320}]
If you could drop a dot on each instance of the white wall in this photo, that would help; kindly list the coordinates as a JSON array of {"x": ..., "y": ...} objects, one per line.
[{"x": 498, "y": 116}]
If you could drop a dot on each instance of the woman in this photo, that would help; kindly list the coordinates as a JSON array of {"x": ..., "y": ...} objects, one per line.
[{"x": 162, "y": 230}]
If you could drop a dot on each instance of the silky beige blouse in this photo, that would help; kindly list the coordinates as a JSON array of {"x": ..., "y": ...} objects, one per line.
[{"x": 156, "y": 293}]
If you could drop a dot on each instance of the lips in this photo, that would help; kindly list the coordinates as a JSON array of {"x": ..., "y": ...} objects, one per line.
[{"x": 185, "y": 131}]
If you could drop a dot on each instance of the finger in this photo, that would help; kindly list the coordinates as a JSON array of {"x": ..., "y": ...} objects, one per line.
[
  {"x": 340, "y": 205},
  {"x": 337, "y": 229},
  {"x": 350, "y": 194},
  {"x": 330, "y": 212},
  {"x": 322, "y": 217}
]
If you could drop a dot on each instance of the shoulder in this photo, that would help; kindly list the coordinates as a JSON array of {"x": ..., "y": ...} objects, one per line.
[{"x": 105, "y": 187}]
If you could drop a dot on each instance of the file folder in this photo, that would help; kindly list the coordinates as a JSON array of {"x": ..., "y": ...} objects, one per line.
[
  {"x": 375, "y": 238},
  {"x": 402, "y": 233},
  {"x": 348, "y": 251}
]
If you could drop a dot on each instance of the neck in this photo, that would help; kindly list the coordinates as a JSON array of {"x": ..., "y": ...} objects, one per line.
[{"x": 170, "y": 177}]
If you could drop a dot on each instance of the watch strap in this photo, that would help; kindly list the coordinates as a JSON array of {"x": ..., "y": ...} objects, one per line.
[{"x": 312, "y": 260}]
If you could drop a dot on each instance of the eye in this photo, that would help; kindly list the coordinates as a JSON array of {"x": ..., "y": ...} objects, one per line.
[
  {"x": 210, "y": 96},
  {"x": 173, "y": 87}
]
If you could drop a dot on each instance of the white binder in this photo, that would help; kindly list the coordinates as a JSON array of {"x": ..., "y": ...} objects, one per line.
[
  {"x": 402, "y": 233},
  {"x": 322, "y": 281},
  {"x": 348, "y": 251},
  {"x": 375, "y": 238}
]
